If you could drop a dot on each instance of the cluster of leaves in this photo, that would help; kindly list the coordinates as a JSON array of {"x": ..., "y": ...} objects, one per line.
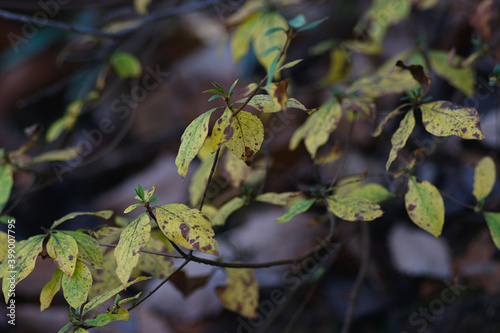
[{"x": 146, "y": 244}]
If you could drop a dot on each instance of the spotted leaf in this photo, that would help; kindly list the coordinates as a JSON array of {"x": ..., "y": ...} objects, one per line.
[
  {"x": 64, "y": 250},
  {"x": 248, "y": 136},
  {"x": 241, "y": 292},
  {"x": 400, "y": 137},
  {"x": 354, "y": 208}
]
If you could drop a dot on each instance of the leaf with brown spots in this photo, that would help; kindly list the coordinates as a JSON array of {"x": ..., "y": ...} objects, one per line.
[
  {"x": 353, "y": 208},
  {"x": 441, "y": 118},
  {"x": 88, "y": 248},
  {"x": 241, "y": 292},
  {"x": 26, "y": 254},
  {"x": 158, "y": 266},
  {"x": 400, "y": 137},
  {"x": 248, "y": 136},
  {"x": 484, "y": 178},
  {"x": 425, "y": 206},
  {"x": 192, "y": 141},
  {"x": 76, "y": 288},
  {"x": 223, "y": 129},
  {"x": 64, "y": 250},
  {"x": 133, "y": 238},
  {"x": 265, "y": 103},
  {"x": 418, "y": 74},
  {"x": 187, "y": 227}
]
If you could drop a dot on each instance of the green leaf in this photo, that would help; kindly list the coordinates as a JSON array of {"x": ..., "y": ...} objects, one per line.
[
  {"x": 104, "y": 319},
  {"x": 187, "y": 227},
  {"x": 6, "y": 182},
  {"x": 273, "y": 30},
  {"x": 132, "y": 239},
  {"x": 126, "y": 65},
  {"x": 50, "y": 289},
  {"x": 400, "y": 137},
  {"x": 3, "y": 249},
  {"x": 441, "y": 118},
  {"x": 56, "y": 155},
  {"x": 484, "y": 178},
  {"x": 354, "y": 208},
  {"x": 313, "y": 24},
  {"x": 296, "y": 209},
  {"x": 425, "y": 206},
  {"x": 65, "y": 328},
  {"x": 461, "y": 78},
  {"x": 223, "y": 129},
  {"x": 298, "y": 21},
  {"x": 76, "y": 288},
  {"x": 279, "y": 199},
  {"x": 64, "y": 250},
  {"x": 140, "y": 192},
  {"x": 241, "y": 292},
  {"x": 233, "y": 85},
  {"x": 95, "y": 302},
  {"x": 215, "y": 97},
  {"x": 88, "y": 248},
  {"x": 227, "y": 209},
  {"x": 270, "y": 50},
  {"x": 320, "y": 124},
  {"x": 192, "y": 141},
  {"x": 289, "y": 65},
  {"x": 26, "y": 254},
  {"x": 374, "y": 192},
  {"x": 243, "y": 36},
  {"x": 493, "y": 221},
  {"x": 247, "y": 137},
  {"x": 56, "y": 128},
  {"x": 105, "y": 214},
  {"x": 131, "y": 208},
  {"x": 263, "y": 42}
]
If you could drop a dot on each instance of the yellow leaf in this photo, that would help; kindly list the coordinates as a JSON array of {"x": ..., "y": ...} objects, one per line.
[
  {"x": 56, "y": 155},
  {"x": 379, "y": 84},
  {"x": 484, "y": 178},
  {"x": 191, "y": 142},
  {"x": 50, "y": 289},
  {"x": 374, "y": 192},
  {"x": 354, "y": 208},
  {"x": 105, "y": 279},
  {"x": 88, "y": 248},
  {"x": 279, "y": 199},
  {"x": 236, "y": 168},
  {"x": 298, "y": 135},
  {"x": 425, "y": 206},
  {"x": 200, "y": 177},
  {"x": 296, "y": 209},
  {"x": 388, "y": 117},
  {"x": 105, "y": 214},
  {"x": 26, "y": 254},
  {"x": 493, "y": 221},
  {"x": 441, "y": 118},
  {"x": 64, "y": 250},
  {"x": 263, "y": 42},
  {"x": 187, "y": 227},
  {"x": 339, "y": 68},
  {"x": 248, "y": 136},
  {"x": 243, "y": 35},
  {"x": 400, "y": 137},
  {"x": 141, "y": 6},
  {"x": 241, "y": 292},
  {"x": 158, "y": 266},
  {"x": 460, "y": 78},
  {"x": 223, "y": 129},
  {"x": 132, "y": 240},
  {"x": 320, "y": 124},
  {"x": 227, "y": 209},
  {"x": 76, "y": 288},
  {"x": 265, "y": 103}
]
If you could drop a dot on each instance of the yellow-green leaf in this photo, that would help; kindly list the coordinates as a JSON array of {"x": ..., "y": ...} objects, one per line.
[
  {"x": 279, "y": 199},
  {"x": 133, "y": 238},
  {"x": 88, "y": 248},
  {"x": 76, "y": 288},
  {"x": 64, "y": 250},
  {"x": 339, "y": 68},
  {"x": 441, "y": 118},
  {"x": 26, "y": 254},
  {"x": 243, "y": 35},
  {"x": 223, "y": 129},
  {"x": 104, "y": 319},
  {"x": 265, "y": 103},
  {"x": 105, "y": 214},
  {"x": 493, "y": 221},
  {"x": 354, "y": 208},
  {"x": 107, "y": 234},
  {"x": 241, "y": 292},
  {"x": 158, "y": 266},
  {"x": 388, "y": 117},
  {"x": 374, "y": 192},
  {"x": 400, "y": 137},
  {"x": 236, "y": 168},
  {"x": 191, "y": 142},
  {"x": 126, "y": 65},
  {"x": 296, "y": 209},
  {"x": 460, "y": 78},
  {"x": 485, "y": 175},
  {"x": 6, "y": 182},
  {"x": 248, "y": 136},
  {"x": 425, "y": 206},
  {"x": 105, "y": 279},
  {"x": 3, "y": 249},
  {"x": 187, "y": 227},
  {"x": 131, "y": 208},
  {"x": 56, "y": 128},
  {"x": 263, "y": 42},
  {"x": 200, "y": 176},
  {"x": 227, "y": 209},
  {"x": 318, "y": 127},
  {"x": 56, "y": 155},
  {"x": 141, "y": 6},
  {"x": 50, "y": 289}
]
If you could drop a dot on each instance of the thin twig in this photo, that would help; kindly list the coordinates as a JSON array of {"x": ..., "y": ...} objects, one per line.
[
  {"x": 345, "y": 155},
  {"x": 210, "y": 176},
  {"x": 147, "y": 251}
]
